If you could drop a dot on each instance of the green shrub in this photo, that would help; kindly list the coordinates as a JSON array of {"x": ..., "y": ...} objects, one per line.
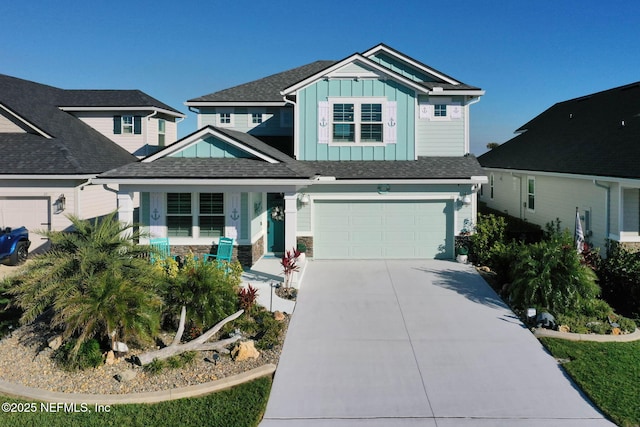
[
  {"x": 208, "y": 290},
  {"x": 489, "y": 230},
  {"x": 88, "y": 355},
  {"x": 259, "y": 326},
  {"x": 619, "y": 275},
  {"x": 549, "y": 274}
]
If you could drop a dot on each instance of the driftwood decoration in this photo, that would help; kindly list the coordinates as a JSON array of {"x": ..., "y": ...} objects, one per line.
[{"x": 197, "y": 344}]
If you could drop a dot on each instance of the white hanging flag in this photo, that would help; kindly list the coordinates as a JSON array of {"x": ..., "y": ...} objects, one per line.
[{"x": 579, "y": 234}]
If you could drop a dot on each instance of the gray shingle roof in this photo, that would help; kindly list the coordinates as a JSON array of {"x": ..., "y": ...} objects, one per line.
[
  {"x": 580, "y": 136},
  {"x": 225, "y": 168},
  {"x": 266, "y": 89},
  {"x": 205, "y": 168},
  {"x": 75, "y": 148},
  {"x": 111, "y": 98},
  {"x": 423, "y": 168}
]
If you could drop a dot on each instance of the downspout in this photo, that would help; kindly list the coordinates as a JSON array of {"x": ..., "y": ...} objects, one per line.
[
  {"x": 296, "y": 146},
  {"x": 607, "y": 212},
  {"x": 467, "y": 141}
]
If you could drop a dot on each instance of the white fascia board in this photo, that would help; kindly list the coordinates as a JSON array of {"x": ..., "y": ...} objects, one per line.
[
  {"x": 628, "y": 181},
  {"x": 449, "y": 92},
  {"x": 471, "y": 180},
  {"x": 47, "y": 177},
  {"x": 355, "y": 57},
  {"x": 147, "y": 108},
  {"x": 234, "y": 104},
  {"x": 26, "y": 122},
  {"x": 410, "y": 61},
  {"x": 207, "y": 131},
  {"x": 386, "y": 196},
  {"x": 192, "y": 183}
]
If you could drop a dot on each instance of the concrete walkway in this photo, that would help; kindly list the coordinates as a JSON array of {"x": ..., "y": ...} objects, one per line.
[{"x": 415, "y": 343}]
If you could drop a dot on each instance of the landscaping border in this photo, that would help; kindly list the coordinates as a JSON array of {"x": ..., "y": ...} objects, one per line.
[
  {"x": 540, "y": 333},
  {"x": 24, "y": 392}
]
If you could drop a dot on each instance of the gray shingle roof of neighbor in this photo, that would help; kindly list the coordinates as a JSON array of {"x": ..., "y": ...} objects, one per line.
[
  {"x": 266, "y": 89},
  {"x": 596, "y": 134},
  {"x": 75, "y": 148},
  {"x": 111, "y": 98}
]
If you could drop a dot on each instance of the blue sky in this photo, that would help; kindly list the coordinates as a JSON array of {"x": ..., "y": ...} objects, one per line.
[{"x": 526, "y": 55}]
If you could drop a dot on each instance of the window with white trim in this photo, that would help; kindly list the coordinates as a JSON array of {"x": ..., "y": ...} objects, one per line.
[
  {"x": 127, "y": 125},
  {"x": 256, "y": 118},
  {"x": 195, "y": 214},
  {"x": 162, "y": 126},
  {"x": 357, "y": 121},
  {"x": 211, "y": 214},
  {"x": 440, "y": 110},
  {"x": 531, "y": 193},
  {"x": 225, "y": 117},
  {"x": 179, "y": 217}
]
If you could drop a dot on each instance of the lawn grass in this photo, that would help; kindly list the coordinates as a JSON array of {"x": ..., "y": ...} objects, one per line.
[
  {"x": 243, "y": 405},
  {"x": 609, "y": 373}
]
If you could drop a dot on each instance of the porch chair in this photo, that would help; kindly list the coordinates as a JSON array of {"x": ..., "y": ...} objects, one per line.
[
  {"x": 224, "y": 252},
  {"x": 159, "y": 248}
]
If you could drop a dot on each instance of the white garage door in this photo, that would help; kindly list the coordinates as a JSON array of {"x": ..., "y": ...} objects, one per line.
[
  {"x": 32, "y": 213},
  {"x": 378, "y": 230}
]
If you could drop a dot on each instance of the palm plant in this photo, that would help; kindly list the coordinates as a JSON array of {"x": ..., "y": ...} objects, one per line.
[{"x": 95, "y": 281}]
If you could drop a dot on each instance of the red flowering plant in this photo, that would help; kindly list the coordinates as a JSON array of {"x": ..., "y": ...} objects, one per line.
[{"x": 289, "y": 265}]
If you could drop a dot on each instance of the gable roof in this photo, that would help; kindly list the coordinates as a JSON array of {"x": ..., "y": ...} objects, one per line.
[
  {"x": 54, "y": 142},
  {"x": 83, "y": 99},
  {"x": 265, "y": 90},
  {"x": 597, "y": 134},
  {"x": 269, "y": 90}
]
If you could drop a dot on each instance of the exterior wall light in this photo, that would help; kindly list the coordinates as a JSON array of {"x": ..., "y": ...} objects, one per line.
[
  {"x": 305, "y": 199},
  {"x": 61, "y": 203}
]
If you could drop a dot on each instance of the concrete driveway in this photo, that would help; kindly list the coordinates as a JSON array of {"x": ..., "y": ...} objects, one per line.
[{"x": 415, "y": 343}]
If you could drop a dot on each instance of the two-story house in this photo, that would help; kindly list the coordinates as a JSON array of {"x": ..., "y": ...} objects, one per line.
[
  {"x": 583, "y": 154},
  {"x": 54, "y": 141},
  {"x": 365, "y": 157}
]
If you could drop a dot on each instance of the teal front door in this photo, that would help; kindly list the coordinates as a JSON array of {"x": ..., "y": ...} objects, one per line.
[{"x": 275, "y": 223}]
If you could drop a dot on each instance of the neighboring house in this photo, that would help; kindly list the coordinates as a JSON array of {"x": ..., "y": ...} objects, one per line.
[
  {"x": 583, "y": 153},
  {"x": 366, "y": 157},
  {"x": 54, "y": 141}
]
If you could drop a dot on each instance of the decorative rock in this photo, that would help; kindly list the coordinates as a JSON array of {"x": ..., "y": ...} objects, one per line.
[
  {"x": 244, "y": 350},
  {"x": 564, "y": 328},
  {"x": 110, "y": 358},
  {"x": 55, "y": 342},
  {"x": 278, "y": 315},
  {"x": 125, "y": 376},
  {"x": 545, "y": 320},
  {"x": 120, "y": 347}
]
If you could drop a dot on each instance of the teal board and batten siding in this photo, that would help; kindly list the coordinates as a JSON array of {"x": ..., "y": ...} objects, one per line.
[
  {"x": 211, "y": 148},
  {"x": 309, "y": 97},
  {"x": 441, "y": 137}
]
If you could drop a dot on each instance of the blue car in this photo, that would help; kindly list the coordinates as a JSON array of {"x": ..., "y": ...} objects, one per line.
[{"x": 14, "y": 245}]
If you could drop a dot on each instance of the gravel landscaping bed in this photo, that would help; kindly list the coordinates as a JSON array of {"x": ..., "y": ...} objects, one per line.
[{"x": 25, "y": 358}]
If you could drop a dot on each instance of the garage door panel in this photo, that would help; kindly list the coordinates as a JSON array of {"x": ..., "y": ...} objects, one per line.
[
  {"x": 32, "y": 213},
  {"x": 390, "y": 229}
]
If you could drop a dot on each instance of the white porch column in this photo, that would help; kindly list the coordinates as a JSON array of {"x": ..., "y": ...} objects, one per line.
[
  {"x": 290, "y": 220},
  {"x": 125, "y": 208}
]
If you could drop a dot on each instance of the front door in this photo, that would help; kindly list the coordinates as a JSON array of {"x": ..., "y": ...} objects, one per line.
[{"x": 275, "y": 223}]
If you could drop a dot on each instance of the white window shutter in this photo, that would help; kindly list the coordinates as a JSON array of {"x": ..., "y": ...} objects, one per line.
[
  {"x": 391, "y": 123},
  {"x": 323, "y": 122},
  {"x": 157, "y": 215}
]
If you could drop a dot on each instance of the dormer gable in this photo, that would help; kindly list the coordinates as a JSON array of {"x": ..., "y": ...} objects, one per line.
[{"x": 212, "y": 142}]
